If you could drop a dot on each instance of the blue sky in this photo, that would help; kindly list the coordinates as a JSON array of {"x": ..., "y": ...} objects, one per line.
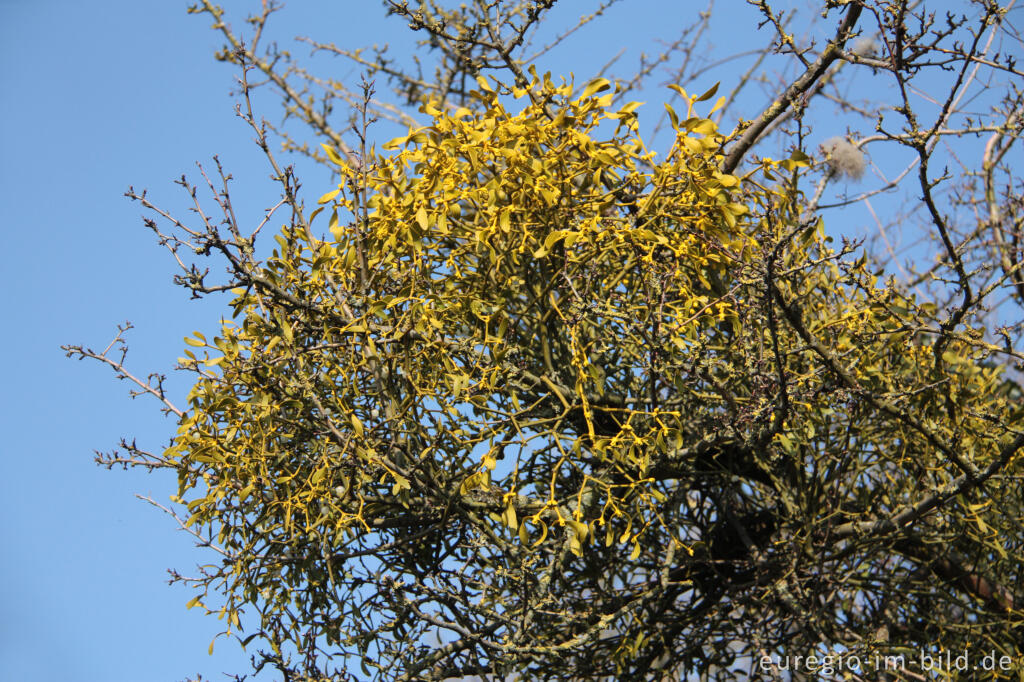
[{"x": 97, "y": 97}]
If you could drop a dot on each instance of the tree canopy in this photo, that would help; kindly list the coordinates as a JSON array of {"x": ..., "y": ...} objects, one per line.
[{"x": 522, "y": 396}]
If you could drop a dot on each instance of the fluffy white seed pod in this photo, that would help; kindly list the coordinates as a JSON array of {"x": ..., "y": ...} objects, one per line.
[
  {"x": 844, "y": 158},
  {"x": 864, "y": 46}
]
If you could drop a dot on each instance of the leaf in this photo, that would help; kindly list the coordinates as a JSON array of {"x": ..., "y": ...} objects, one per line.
[
  {"x": 595, "y": 86},
  {"x": 575, "y": 546},
  {"x": 701, "y": 126},
  {"x": 327, "y": 197},
  {"x": 509, "y": 517},
  {"x": 553, "y": 238},
  {"x": 796, "y": 160},
  {"x": 401, "y": 483},
  {"x": 672, "y": 115},
  {"x": 484, "y": 85},
  {"x": 429, "y": 109},
  {"x": 543, "y": 533},
  {"x": 479, "y": 480},
  {"x": 786, "y": 443},
  {"x": 580, "y": 529},
  {"x": 629, "y": 108},
  {"x": 709, "y": 94},
  {"x": 729, "y": 216},
  {"x": 333, "y": 155},
  {"x": 679, "y": 89}
]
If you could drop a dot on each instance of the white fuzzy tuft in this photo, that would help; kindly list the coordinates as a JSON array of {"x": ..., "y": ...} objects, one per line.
[
  {"x": 844, "y": 158},
  {"x": 864, "y": 47}
]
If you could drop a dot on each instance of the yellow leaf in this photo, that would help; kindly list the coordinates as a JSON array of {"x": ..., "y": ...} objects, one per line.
[
  {"x": 327, "y": 197},
  {"x": 484, "y": 85},
  {"x": 673, "y": 117},
  {"x": 333, "y": 156},
  {"x": 709, "y": 94},
  {"x": 679, "y": 89},
  {"x": 401, "y": 483},
  {"x": 596, "y": 85},
  {"x": 509, "y": 517},
  {"x": 552, "y": 238},
  {"x": 630, "y": 108},
  {"x": 476, "y": 481},
  {"x": 701, "y": 126},
  {"x": 580, "y": 529},
  {"x": 575, "y": 546},
  {"x": 543, "y": 532}
]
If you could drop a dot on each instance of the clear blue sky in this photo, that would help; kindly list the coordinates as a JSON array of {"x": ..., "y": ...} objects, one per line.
[{"x": 98, "y": 96}]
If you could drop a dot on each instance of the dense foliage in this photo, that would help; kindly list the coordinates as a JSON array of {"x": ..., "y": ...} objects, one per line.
[{"x": 539, "y": 401}]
